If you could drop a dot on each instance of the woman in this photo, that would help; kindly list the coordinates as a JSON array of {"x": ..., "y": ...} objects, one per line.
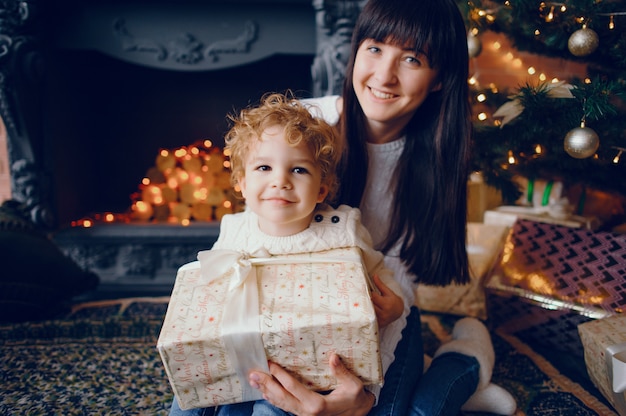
[{"x": 405, "y": 116}]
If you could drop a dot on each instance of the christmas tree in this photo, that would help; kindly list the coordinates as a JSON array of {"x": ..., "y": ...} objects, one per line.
[{"x": 569, "y": 130}]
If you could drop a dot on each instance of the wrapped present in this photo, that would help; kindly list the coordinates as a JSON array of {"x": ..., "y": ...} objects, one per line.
[
  {"x": 480, "y": 197},
  {"x": 551, "y": 278},
  {"x": 484, "y": 243},
  {"x": 294, "y": 310},
  {"x": 508, "y": 214},
  {"x": 604, "y": 341}
]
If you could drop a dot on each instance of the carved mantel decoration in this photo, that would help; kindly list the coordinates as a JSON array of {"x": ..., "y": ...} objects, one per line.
[{"x": 186, "y": 48}]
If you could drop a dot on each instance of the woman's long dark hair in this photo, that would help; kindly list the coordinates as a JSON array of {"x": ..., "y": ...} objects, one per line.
[{"x": 429, "y": 211}]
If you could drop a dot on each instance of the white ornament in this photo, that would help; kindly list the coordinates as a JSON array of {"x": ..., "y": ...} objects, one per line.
[
  {"x": 581, "y": 142},
  {"x": 583, "y": 42}
]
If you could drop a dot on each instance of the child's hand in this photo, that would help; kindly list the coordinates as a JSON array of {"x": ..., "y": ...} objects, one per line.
[{"x": 387, "y": 304}]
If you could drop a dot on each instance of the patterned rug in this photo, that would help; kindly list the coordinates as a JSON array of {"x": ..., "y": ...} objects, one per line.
[{"x": 101, "y": 360}]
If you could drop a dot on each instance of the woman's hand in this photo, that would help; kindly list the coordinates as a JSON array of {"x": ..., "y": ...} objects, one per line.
[
  {"x": 387, "y": 304},
  {"x": 287, "y": 393}
]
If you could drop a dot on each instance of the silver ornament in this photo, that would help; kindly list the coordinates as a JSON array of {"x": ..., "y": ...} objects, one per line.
[
  {"x": 583, "y": 42},
  {"x": 581, "y": 142},
  {"x": 474, "y": 45}
]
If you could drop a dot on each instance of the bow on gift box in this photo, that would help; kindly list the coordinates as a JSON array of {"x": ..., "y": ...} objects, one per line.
[
  {"x": 616, "y": 364},
  {"x": 241, "y": 331}
]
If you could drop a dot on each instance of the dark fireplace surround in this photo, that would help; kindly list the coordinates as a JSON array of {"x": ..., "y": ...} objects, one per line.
[{"x": 90, "y": 91}]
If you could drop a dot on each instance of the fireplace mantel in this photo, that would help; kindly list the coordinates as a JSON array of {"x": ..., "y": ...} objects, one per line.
[{"x": 185, "y": 35}]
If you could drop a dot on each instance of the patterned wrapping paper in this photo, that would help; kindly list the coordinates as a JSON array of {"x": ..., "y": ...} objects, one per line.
[
  {"x": 306, "y": 311},
  {"x": 484, "y": 243},
  {"x": 604, "y": 341},
  {"x": 551, "y": 278}
]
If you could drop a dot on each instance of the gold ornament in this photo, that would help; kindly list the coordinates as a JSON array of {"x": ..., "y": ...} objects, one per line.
[
  {"x": 581, "y": 142},
  {"x": 583, "y": 42},
  {"x": 474, "y": 45}
]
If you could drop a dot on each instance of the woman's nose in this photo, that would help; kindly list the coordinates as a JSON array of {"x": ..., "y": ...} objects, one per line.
[{"x": 385, "y": 71}]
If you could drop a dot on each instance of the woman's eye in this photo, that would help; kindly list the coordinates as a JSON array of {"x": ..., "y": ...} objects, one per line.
[
  {"x": 413, "y": 60},
  {"x": 373, "y": 49}
]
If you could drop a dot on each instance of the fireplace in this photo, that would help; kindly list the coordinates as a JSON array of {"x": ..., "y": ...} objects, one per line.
[{"x": 91, "y": 91}]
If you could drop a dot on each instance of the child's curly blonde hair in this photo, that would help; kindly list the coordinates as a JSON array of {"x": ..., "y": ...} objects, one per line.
[{"x": 300, "y": 127}]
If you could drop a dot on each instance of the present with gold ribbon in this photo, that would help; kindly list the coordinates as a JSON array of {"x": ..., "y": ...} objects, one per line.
[
  {"x": 604, "y": 342},
  {"x": 231, "y": 312},
  {"x": 550, "y": 278}
]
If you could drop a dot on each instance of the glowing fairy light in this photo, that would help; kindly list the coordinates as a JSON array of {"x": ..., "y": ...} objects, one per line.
[{"x": 511, "y": 158}]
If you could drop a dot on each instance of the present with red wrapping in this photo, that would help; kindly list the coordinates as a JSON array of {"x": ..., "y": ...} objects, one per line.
[{"x": 550, "y": 278}]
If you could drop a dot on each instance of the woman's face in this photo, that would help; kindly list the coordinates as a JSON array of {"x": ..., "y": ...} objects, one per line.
[{"x": 391, "y": 83}]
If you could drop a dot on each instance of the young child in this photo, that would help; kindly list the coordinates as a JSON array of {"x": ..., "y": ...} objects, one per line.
[{"x": 284, "y": 161}]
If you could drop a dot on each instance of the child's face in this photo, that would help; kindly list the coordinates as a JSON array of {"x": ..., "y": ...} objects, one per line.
[{"x": 282, "y": 184}]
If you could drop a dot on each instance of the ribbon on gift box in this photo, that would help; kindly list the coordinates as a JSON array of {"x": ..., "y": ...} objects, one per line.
[
  {"x": 241, "y": 329},
  {"x": 616, "y": 365}
]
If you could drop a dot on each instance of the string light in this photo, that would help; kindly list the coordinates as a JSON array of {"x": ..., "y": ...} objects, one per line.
[
  {"x": 550, "y": 16},
  {"x": 511, "y": 158},
  {"x": 619, "y": 153}
]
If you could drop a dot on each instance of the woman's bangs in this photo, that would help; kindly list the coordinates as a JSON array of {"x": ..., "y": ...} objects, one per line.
[{"x": 405, "y": 33}]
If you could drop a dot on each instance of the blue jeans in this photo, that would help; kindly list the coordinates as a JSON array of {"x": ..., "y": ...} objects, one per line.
[
  {"x": 256, "y": 408},
  {"x": 450, "y": 380}
]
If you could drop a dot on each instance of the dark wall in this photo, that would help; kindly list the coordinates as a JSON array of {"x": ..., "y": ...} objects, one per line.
[{"x": 105, "y": 120}]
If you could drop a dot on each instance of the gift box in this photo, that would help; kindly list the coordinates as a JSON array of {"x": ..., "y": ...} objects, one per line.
[
  {"x": 480, "y": 197},
  {"x": 294, "y": 310},
  {"x": 550, "y": 278},
  {"x": 506, "y": 215},
  {"x": 484, "y": 243},
  {"x": 604, "y": 342}
]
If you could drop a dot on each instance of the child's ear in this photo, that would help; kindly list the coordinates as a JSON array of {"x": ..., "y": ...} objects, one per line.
[
  {"x": 241, "y": 181},
  {"x": 323, "y": 193}
]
